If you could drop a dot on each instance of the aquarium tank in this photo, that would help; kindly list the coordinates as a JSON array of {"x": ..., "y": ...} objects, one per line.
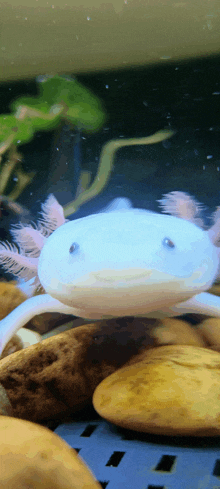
[
  {"x": 107, "y": 135},
  {"x": 113, "y": 116}
]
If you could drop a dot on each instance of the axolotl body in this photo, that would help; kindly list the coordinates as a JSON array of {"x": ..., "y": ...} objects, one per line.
[{"x": 121, "y": 262}]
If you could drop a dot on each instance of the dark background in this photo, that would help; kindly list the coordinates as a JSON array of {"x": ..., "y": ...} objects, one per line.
[{"x": 182, "y": 96}]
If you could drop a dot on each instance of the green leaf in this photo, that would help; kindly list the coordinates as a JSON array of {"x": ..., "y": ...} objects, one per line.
[
  {"x": 38, "y": 112},
  {"x": 60, "y": 98},
  {"x": 85, "y": 116},
  {"x": 15, "y": 131},
  {"x": 81, "y": 106}
]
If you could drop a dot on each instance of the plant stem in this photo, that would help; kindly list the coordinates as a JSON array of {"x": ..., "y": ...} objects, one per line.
[
  {"x": 8, "y": 167},
  {"x": 106, "y": 164}
]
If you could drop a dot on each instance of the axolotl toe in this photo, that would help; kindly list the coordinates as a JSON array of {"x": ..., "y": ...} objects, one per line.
[{"x": 120, "y": 262}]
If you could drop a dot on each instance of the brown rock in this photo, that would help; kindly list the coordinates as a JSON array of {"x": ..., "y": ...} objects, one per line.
[
  {"x": 54, "y": 377},
  {"x": 34, "y": 457},
  {"x": 129, "y": 335},
  {"x": 169, "y": 390}
]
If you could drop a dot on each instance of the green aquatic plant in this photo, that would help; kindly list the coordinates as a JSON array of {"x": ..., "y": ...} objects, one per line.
[
  {"x": 60, "y": 99},
  {"x": 106, "y": 164}
]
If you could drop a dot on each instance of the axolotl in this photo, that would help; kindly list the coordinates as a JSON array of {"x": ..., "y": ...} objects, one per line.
[{"x": 120, "y": 262}]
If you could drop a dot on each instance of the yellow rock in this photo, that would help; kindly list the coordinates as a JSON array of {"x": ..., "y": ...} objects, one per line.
[
  {"x": 32, "y": 456},
  {"x": 209, "y": 330},
  {"x": 10, "y": 297},
  {"x": 173, "y": 331},
  {"x": 171, "y": 390}
]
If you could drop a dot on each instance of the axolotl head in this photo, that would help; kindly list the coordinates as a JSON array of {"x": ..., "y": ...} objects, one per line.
[{"x": 126, "y": 262}]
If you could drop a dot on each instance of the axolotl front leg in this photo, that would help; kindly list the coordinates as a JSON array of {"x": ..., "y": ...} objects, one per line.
[
  {"x": 26, "y": 311},
  {"x": 204, "y": 303}
]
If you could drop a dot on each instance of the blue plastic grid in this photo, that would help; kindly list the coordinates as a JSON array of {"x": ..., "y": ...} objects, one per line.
[{"x": 123, "y": 459}]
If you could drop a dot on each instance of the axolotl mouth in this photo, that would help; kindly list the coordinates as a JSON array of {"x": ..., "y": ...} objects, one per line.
[{"x": 109, "y": 293}]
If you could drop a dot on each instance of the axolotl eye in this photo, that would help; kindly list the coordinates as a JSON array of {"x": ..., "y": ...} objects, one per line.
[
  {"x": 73, "y": 247},
  {"x": 168, "y": 243}
]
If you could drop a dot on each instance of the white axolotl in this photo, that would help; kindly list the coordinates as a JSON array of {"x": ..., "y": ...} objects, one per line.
[{"x": 121, "y": 262}]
